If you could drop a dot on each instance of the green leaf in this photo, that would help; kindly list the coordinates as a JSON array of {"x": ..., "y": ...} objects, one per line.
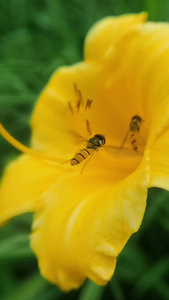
[
  {"x": 29, "y": 290},
  {"x": 15, "y": 248},
  {"x": 152, "y": 277},
  {"x": 116, "y": 289},
  {"x": 91, "y": 291}
]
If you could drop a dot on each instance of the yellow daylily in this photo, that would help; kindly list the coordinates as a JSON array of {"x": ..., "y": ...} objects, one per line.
[{"x": 85, "y": 213}]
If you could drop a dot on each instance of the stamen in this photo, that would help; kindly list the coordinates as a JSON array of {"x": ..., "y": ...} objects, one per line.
[
  {"x": 11, "y": 140},
  {"x": 79, "y": 102},
  {"x": 88, "y": 104},
  {"x": 70, "y": 107},
  {"x": 88, "y": 127}
]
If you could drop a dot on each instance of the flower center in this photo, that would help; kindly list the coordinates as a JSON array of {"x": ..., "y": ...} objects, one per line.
[
  {"x": 88, "y": 121},
  {"x": 91, "y": 130}
]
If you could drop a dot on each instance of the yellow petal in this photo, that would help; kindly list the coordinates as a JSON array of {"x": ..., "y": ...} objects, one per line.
[
  {"x": 23, "y": 183},
  {"x": 139, "y": 81},
  {"x": 136, "y": 56},
  {"x": 159, "y": 162},
  {"x": 51, "y": 123},
  {"x": 82, "y": 233},
  {"x": 59, "y": 133},
  {"x": 103, "y": 36},
  {"x": 134, "y": 84}
]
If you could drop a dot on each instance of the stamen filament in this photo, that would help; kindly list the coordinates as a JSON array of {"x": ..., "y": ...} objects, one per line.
[{"x": 11, "y": 140}]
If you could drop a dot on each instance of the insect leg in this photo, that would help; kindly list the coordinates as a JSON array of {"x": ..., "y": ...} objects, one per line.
[
  {"x": 86, "y": 163},
  {"x": 125, "y": 138}
]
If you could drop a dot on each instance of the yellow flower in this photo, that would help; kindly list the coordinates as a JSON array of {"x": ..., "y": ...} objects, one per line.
[{"x": 118, "y": 97}]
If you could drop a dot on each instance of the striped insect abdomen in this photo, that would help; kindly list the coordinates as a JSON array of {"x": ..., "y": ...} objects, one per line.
[
  {"x": 80, "y": 156},
  {"x": 134, "y": 141}
]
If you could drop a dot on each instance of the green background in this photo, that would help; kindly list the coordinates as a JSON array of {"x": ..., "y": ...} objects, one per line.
[{"x": 36, "y": 37}]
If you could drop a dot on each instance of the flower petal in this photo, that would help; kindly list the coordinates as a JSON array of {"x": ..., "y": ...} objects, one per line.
[
  {"x": 23, "y": 183},
  {"x": 51, "y": 124},
  {"x": 103, "y": 36},
  {"x": 159, "y": 162},
  {"x": 139, "y": 79},
  {"x": 82, "y": 232},
  {"x": 59, "y": 134}
]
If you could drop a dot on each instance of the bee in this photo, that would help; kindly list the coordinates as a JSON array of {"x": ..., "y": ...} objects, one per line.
[
  {"x": 134, "y": 128},
  {"x": 93, "y": 144}
]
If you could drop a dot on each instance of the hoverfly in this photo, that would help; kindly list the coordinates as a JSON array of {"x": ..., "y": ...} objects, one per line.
[
  {"x": 134, "y": 128},
  {"x": 93, "y": 144}
]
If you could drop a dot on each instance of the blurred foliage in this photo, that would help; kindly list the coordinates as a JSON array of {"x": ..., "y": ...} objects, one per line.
[{"x": 36, "y": 37}]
